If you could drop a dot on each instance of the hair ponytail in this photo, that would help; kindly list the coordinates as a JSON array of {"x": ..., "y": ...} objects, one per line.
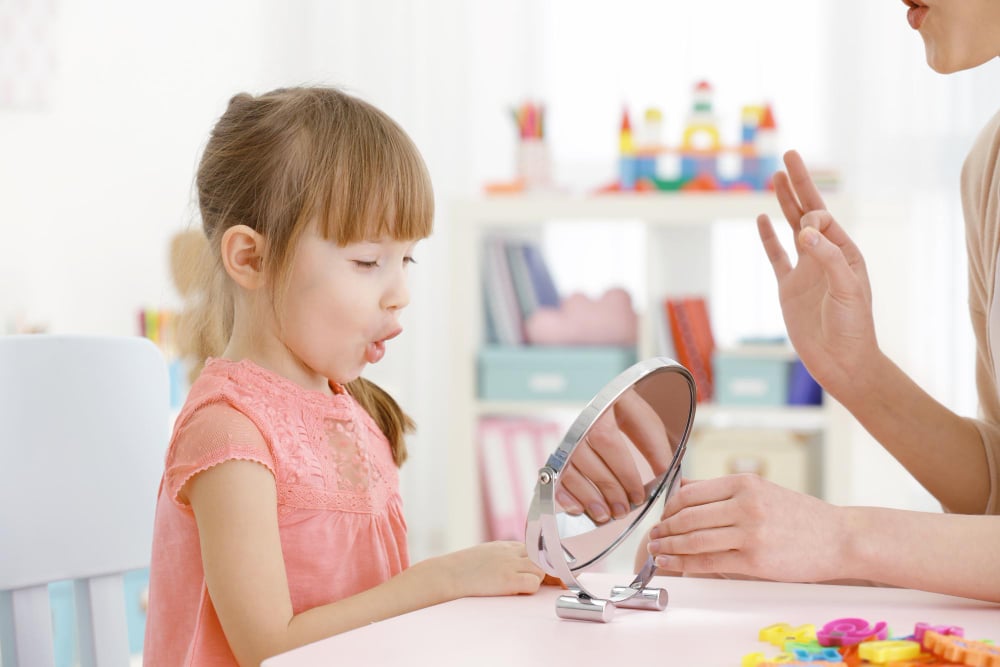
[
  {"x": 382, "y": 407},
  {"x": 206, "y": 321}
]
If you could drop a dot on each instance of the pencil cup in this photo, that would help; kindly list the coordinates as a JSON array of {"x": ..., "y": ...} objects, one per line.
[{"x": 533, "y": 165}]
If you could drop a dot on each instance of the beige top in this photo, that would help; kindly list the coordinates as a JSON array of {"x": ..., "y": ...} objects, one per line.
[{"x": 981, "y": 204}]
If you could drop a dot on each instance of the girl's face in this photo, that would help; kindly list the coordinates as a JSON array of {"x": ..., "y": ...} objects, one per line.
[
  {"x": 957, "y": 34},
  {"x": 343, "y": 303}
]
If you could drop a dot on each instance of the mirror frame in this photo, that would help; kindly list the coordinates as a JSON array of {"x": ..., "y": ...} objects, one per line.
[{"x": 542, "y": 538}]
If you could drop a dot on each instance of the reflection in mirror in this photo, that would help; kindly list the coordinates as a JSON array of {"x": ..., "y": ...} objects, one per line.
[{"x": 618, "y": 457}]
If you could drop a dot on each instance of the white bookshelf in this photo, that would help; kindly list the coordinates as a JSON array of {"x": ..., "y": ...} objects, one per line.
[{"x": 678, "y": 226}]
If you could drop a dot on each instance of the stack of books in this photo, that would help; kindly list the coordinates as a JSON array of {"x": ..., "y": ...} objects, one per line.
[{"x": 516, "y": 282}]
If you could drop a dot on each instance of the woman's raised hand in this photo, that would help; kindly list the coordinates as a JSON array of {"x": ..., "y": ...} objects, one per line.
[{"x": 826, "y": 296}]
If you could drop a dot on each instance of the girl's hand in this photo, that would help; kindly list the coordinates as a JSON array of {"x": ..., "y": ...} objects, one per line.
[
  {"x": 493, "y": 568},
  {"x": 743, "y": 524},
  {"x": 826, "y": 297}
]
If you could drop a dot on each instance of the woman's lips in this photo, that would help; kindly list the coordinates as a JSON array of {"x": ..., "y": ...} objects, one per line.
[{"x": 915, "y": 15}]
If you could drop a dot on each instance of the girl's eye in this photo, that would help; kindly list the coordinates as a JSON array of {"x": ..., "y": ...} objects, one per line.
[
  {"x": 366, "y": 265},
  {"x": 409, "y": 260}
]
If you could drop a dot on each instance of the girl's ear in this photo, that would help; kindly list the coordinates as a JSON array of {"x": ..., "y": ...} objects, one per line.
[{"x": 243, "y": 256}]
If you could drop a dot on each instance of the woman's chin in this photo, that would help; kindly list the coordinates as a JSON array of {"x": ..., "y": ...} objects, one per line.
[{"x": 944, "y": 63}]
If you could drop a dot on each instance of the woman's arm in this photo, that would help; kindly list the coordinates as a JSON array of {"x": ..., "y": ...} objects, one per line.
[
  {"x": 942, "y": 553},
  {"x": 826, "y": 302},
  {"x": 235, "y": 505},
  {"x": 742, "y": 524},
  {"x": 941, "y": 449}
]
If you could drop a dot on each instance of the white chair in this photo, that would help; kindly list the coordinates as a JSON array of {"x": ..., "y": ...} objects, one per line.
[{"x": 83, "y": 430}]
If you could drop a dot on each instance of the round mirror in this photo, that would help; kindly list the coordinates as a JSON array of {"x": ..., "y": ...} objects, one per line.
[{"x": 617, "y": 459}]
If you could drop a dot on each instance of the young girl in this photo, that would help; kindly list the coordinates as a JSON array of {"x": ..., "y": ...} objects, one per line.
[
  {"x": 279, "y": 519},
  {"x": 745, "y": 525}
]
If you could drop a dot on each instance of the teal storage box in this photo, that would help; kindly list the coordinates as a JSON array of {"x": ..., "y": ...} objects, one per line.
[
  {"x": 755, "y": 375},
  {"x": 543, "y": 372}
]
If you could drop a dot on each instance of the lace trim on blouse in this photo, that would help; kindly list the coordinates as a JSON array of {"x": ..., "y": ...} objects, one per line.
[{"x": 327, "y": 452}]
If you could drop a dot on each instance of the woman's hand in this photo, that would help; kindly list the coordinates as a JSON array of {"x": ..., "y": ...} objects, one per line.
[
  {"x": 826, "y": 297},
  {"x": 604, "y": 478},
  {"x": 743, "y": 524},
  {"x": 493, "y": 568},
  {"x": 601, "y": 478}
]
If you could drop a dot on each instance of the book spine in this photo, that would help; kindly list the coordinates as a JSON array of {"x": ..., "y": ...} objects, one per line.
[
  {"x": 501, "y": 298},
  {"x": 544, "y": 286},
  {"x": 687, "y": 348}
]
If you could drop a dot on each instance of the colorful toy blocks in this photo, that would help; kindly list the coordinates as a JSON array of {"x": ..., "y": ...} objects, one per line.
[{"x": 854, "y": 642}]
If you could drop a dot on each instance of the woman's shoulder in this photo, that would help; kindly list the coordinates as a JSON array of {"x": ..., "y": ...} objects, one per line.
[
  {"x": 981, "y": 167},
  {"x": 987, "y": 140}
]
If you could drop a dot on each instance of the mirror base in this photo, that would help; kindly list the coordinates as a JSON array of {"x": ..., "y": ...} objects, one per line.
[
  {"x": 583, "y": 608},
  {"x": 652, "y": 599}
]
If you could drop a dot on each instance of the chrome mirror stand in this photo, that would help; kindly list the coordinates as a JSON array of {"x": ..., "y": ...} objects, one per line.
[
  {"x": 582, "y": 607},
  {"x": 580, "y": 604}
]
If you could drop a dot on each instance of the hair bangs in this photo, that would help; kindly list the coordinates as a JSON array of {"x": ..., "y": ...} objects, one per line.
[{"x": 378, "y": 189}]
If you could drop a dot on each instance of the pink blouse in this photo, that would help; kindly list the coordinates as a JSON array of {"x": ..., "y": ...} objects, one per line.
[{"x": 340, "y": 514}]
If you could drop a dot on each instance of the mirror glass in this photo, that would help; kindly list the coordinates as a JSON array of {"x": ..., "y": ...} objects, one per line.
[{"x": 618, "y": 457}]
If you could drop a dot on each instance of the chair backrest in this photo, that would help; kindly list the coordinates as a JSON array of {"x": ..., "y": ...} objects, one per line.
[{"x": 84, "y": 424}]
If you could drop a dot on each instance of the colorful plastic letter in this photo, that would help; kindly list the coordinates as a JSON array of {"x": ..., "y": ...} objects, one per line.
[
  {"x": 881, "y": 652},
  {"x": 779, "y": 633},
  {"x": 848, "y": 631}
]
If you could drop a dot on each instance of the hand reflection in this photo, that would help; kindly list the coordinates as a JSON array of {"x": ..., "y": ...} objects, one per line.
[{"x": 603, "y": 477}]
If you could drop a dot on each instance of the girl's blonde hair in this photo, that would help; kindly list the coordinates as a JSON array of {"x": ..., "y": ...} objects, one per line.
[{"x": 274, "y": 163}]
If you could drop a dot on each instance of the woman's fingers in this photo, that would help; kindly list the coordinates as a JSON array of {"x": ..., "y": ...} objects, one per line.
[
  {"x": 642, "y": 425},
  {"x": 796, "y": 192},
  {"x": 824, "y": 221},
  {"x": 806, "y": 191},
  {"x": 699, "y": 492},
  {"x": 588, "y": 481},
  {"x": 691, "y": 519},
  {"x": 717, "y": 562},
  {"x": 619, "y": 474},
  {"x": 703, "y": 530},
  {"x": 842, "y": 281},
  {"x": 707, "y": 540},
  {"x": 780, "y": 263},
  {"x": 787, "y": 200},
  {"x": 826, "y": 241}
]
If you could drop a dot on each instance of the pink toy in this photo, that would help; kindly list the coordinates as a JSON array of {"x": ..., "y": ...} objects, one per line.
[
  {"x": 580, "y": 320},
  {"x": 850, "y": 631}
]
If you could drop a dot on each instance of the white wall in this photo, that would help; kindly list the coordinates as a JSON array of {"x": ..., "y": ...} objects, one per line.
[{"x": 93, "y": 185}]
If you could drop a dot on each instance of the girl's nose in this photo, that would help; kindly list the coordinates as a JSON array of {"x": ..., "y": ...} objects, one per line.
[{"x": 397, "y": 294}]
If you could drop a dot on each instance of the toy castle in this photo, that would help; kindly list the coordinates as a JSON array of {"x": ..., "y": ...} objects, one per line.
[{"x": 699, "y": 151}]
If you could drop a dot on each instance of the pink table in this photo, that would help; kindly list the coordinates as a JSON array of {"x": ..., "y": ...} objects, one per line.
[{"x": 708, "y": 623}]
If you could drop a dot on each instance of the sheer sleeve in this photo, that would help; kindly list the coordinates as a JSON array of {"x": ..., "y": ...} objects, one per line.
[{"x": 214, "y": 434}]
